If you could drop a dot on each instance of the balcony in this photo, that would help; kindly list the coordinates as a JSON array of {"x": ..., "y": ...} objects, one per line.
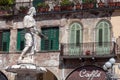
[
  {"x": 88, "y": 50},
  {"x": 82, "y": 7}
]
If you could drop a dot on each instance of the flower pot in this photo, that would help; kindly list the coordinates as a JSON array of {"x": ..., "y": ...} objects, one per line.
[
  {"x": 111, "y": 4},
  {"x": 101, "y": 4},
  {"x": 117, "y": 4},
  {"x": 87, "y": 52},
  {"x": 57, "y": 8},
  {"x": 84, "y": 6},
  {"x": 78, "y": 6},
  {"x": 69, "y": 8},
  {"x": 24, "y": 11},
  {"x": 90, "y": 5},
  {"x": 41, "y": 9}
]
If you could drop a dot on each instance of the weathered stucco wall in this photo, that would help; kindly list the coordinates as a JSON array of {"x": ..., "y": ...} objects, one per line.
[
  {"x": 51, "y": 60},
  {"x": 115, "y": 21}
]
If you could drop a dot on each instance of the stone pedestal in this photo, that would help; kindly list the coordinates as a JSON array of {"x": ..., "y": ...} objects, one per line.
[{"x": 26, "y": 71}]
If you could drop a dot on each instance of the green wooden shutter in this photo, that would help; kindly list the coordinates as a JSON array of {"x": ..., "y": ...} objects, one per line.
[
  {"x": 106, "y": 32},
  {"x": 5, "y": 40},
  {"x": 0, "y": 40},
  {"x": 75, "y": 39},
  {"x": 35, "y": 2},
  {"x": 52, "y": 43},
  {"x": 75, "y": 33},
  {"x": 72, "y": 34},
  {"x": 103, "y": 38},
  {"x": 100, "y": 37},
  {"x": 20, "y": 39},
  {"x": 55, "y": 38}
]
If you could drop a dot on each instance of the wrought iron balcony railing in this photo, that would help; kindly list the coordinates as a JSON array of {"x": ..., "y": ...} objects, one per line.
[
  {"x": 93, "y": 49},
  {"x": 21, "y": 7}
]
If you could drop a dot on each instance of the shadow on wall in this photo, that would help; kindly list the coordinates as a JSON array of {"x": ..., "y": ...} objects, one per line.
[
  {"x": 3, "y": 76},
  {"x": 40, "y": 76}
]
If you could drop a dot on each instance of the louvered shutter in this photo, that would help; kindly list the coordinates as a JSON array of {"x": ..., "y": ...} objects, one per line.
[
  {"x": 20, "y": 39},
  {"x": 5, "y": 40}
]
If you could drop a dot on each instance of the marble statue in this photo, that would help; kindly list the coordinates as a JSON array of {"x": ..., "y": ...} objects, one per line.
[{"x": 31, "y": 30}]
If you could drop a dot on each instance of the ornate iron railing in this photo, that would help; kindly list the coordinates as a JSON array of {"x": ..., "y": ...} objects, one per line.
[
  {"x": 88, "y": 49},
  {"x": 94, "y": 6}
]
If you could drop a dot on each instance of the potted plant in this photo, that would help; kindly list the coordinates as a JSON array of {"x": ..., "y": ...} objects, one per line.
[
  {"x": 57, "y": 5},
  {"x": 101, "y": 4},
  {"x": 78, "y": 6},
  {"x": 42, "y": 7},
  {"x": 6, "y": 6},
  {"x": 23, "y": 9},
  {"x": 7, "y": 2},
  {"x": 57, "y": 8},
  {"x": 112, "y": 4},
  {"x": 88, "y": 4},
  {"x": 66, "y": 5},
  {"x": 5, "y": 10}
]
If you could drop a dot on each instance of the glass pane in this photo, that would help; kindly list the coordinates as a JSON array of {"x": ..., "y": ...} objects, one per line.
[
  {"x": 106, "y": 33},
  {"x": 77, "y": 36},
  {"x": 100, "y": 37}
]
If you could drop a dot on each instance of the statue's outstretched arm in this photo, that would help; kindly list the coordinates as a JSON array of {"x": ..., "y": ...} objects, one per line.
[{"x": 39, "y": 33}]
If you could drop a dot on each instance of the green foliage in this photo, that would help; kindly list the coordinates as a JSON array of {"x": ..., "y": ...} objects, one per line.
[
  {"x": 5, "y": 8},
  {"x": 66, "y": 3},
  {"x": 89, "y": 1},
  {"x": 6, "y": 2},
  {"x": 23, "y": 7},
  {"x": 42, "y": 5}
]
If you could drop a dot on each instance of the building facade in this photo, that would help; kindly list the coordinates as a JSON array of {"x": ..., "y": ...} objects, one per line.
[{"x": 80, "y": 41}]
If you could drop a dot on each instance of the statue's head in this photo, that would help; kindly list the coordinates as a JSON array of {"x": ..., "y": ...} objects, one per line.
[{"x": 32, "y": 11}]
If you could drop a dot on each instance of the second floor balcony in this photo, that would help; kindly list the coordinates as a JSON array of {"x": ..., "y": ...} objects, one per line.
[{"x": 89, "y": 50}]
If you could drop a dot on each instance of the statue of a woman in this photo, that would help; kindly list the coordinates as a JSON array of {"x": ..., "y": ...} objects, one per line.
[{"x": 31, "y": 30}]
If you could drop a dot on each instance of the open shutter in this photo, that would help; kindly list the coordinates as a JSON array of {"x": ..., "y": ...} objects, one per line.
[
  {"x": 20, "y": 39},
  {"x": 106, "y": 32},
  {"x": 45, "y": 43},
  {"x": 52, "y": 43},
  {"x": 103, "y": 38},
  {"x": 0, "y": 40},
  {"x": 5, "y": 40},
  {"x": 55, "y": 38}
]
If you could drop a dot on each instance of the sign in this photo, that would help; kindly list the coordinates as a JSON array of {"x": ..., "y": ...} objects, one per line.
[{"x": 87, "y": 73}]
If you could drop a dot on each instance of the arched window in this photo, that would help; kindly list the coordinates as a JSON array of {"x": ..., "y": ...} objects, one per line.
[
  {"x": 103, "y": 37},
  {"x": 75, "y": 33},
  {"x": 103, "y": 32},
  {"x": 75, "y": 39}
]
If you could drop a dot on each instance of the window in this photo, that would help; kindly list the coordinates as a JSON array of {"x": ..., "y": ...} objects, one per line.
[
  {"x": 75, "y": 39},
  {"x": 20, "y": 39},
  {"x": 52, "y": 43},
  {"x": 75, "y": 33},
  {"x": 103, "y": 38},
  {"x": 103, "y": 32},
  {"x": 4, "y": 40}
]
